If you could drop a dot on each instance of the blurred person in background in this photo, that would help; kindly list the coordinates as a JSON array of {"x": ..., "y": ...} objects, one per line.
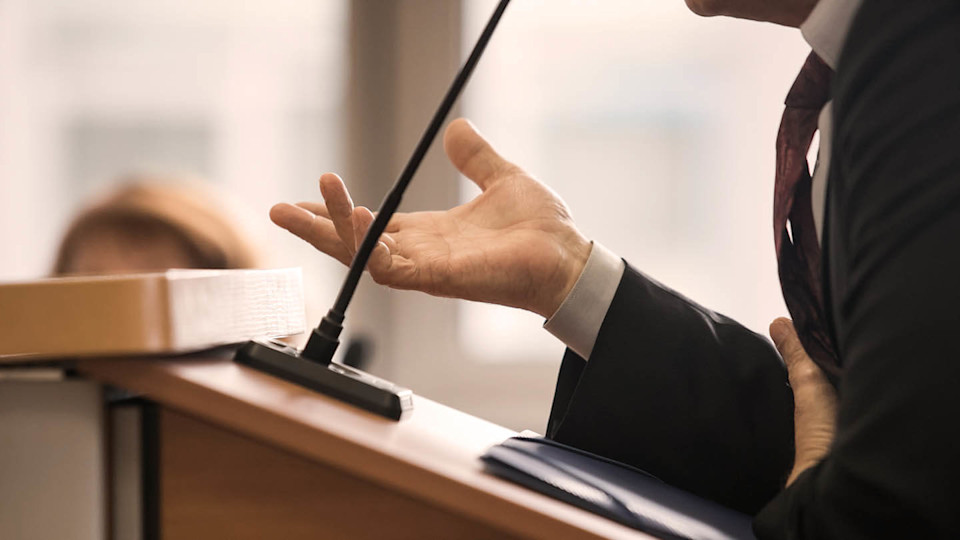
[
  {"x": 868, "y": 263},
  {"x": 155, "y": 224},
  {"x": 152, "y": 224}
]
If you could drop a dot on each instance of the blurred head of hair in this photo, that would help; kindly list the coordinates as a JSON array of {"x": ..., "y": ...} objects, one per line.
[{"x": 148, "y": 224}]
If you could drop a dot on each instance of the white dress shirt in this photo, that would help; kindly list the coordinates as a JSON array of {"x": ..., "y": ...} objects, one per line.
[{"x": 578, "y": 319}]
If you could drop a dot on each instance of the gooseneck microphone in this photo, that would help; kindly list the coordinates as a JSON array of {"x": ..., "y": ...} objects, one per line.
[
  {"x": 313, "y": 367},
  {"x": 323, "y": 341}
]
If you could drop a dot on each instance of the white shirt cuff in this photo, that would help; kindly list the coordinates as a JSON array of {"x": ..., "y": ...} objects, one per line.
[{"x": 578, "y": 319}]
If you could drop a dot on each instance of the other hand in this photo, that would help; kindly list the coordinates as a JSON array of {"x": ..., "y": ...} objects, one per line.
[
  {"x": 785, "y": 12},
  {"x": 515, "y": 244},
  {"x": 815, "y": 400}
]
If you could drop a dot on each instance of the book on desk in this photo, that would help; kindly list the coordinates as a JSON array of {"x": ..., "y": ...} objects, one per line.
[{"x": 175, "y": 311}]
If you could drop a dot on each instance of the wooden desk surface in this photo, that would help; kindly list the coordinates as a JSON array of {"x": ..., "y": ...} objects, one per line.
[{"x": 431, "y": 455}]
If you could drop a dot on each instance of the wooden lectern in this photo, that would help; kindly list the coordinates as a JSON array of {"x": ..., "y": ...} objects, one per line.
[{"x": 239, "y": 454}]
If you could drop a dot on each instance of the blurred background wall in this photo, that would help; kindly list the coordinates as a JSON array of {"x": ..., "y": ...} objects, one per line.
[{"x": 655, "y": 125}]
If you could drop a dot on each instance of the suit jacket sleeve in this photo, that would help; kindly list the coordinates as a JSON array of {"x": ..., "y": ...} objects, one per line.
[
  {"x": 894, "y": 278},
  {"x": 683, "y": 393}
]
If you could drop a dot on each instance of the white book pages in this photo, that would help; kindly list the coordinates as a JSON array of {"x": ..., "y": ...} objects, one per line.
[{"x": 209, "y": 307}]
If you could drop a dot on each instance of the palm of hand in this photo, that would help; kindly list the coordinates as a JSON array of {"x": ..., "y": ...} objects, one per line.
[{"x": 500, "y": 247}]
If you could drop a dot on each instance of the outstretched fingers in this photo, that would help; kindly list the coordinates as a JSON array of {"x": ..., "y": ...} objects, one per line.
[
  {"x": 337, "y": 228},
  {"x": 339, "y": 207},
  {"x": 381, "y": 264},
  {"x": 315, "y": 229},
  {"x": 363, "y": 219},
  {"x": 319, "y": 209}
]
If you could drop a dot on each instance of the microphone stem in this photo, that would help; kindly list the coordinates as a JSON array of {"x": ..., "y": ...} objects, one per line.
[
  {"x": 392, "y": 201},
  {"x": 323, "y": 340}
]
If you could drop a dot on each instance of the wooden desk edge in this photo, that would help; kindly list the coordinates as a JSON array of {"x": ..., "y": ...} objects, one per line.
[{"x": 496, "y": 502}]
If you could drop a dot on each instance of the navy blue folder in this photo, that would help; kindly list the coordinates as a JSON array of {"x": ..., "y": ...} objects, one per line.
[{"x": 614, "y": 490}]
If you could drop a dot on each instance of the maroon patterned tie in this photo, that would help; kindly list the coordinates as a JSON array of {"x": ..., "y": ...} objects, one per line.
[{"x": 798, "y": 254}]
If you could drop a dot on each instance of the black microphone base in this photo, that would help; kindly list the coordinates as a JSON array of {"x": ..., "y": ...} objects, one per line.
[{"x": 347, "y": 384}]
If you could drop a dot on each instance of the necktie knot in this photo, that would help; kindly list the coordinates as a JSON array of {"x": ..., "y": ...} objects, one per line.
[{"x": 811, "y": 89}]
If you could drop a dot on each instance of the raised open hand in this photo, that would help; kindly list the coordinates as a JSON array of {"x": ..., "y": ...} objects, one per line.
[{"x": 515, "y": 244}]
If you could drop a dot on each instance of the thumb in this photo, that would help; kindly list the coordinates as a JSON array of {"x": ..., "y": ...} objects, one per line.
[
  {"x": 815, "y": 401},
  {"x": 807, "y": 380},
  {"x": 471, "y": 154},
  {"x": 785, "y": 337}
]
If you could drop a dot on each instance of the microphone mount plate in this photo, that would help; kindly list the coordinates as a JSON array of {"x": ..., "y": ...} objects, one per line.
[{"x": 336, "y": 380}]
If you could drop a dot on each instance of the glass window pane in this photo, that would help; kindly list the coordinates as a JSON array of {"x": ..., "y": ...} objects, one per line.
[
  {"x": 657, "y": 127},
  {"x": 248, "y": 95}
]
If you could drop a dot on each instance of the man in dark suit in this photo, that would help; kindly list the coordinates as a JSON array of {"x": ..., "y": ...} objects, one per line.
[{"x": 869, "y": 270}]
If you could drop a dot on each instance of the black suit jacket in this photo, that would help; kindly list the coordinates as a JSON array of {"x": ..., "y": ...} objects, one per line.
[
  {"x": 702, "y": 403},
  {"x": 682, "y": 392}
]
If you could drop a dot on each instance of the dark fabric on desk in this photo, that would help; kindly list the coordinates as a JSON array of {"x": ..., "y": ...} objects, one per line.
[
  {"x": 611, "y": 489},
  {"x": 683, "y": 393},
  {"x": 892, "y": 244}
]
